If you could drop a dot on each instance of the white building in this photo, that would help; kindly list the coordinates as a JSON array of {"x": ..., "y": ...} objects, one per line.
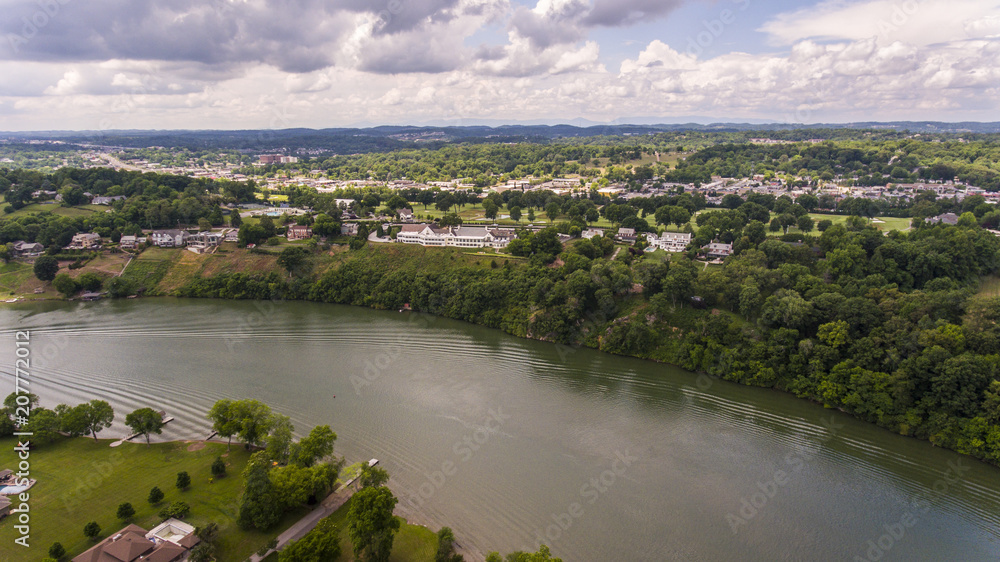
[
  {"x": 457, "y": 237},
  {"x": 670, "y": 241},
  {"x": 168, "y": 238}
]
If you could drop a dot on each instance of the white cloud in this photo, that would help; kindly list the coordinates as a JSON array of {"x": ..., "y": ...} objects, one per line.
[{"x": 916, "y": 22}]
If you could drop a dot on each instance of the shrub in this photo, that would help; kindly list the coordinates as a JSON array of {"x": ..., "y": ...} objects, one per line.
[
  {"x": 218, "y": 467},
  {"x": 178, "y": 510},
  {"x": 183, "y": 480}
]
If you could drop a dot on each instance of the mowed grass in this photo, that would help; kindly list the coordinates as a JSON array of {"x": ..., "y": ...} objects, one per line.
[
  {"x": 56, "y": 209},
  {"x": 80, "y": 480},
  {"x": 151, "y": 266}
]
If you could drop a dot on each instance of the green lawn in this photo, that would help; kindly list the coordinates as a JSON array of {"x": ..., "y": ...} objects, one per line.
[
  {"x": 12, "y": 276},
  {"x": 58, "y": 209},
  {"x": 81, "y": 481},
  {"x": 151, "y": 266}
]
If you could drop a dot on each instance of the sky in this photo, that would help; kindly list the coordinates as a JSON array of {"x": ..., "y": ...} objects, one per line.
[{"x": 275, "y": 64}]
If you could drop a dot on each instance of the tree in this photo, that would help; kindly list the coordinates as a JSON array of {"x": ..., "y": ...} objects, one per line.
[
  {"x": 65, "y": 284},
  {"x": 446, "y": 547},
  {"x": 46, "y": 268},
  {"x": 218, "y": 467},
  {"x": 314, "y": 447},
  {"x": 321, "y": 544},
  {"x": 295, "y": 260},
  {"x": 224, "y": 421},
  {"x": 155, "y": 496},
  {"x": 125, "y": 512},
  {"x": 260, "y": 505},
  {"x": 44, "y": 425},
  {"x": 180, "y": 510},
  {"x": 92, "y": 530},
  {"x": 98, "y": 415},
  {"x": 280, "y": 439},
  {"x": 371, "y": 525},
  {"x": 490, "y": 209},
  {"x": 552, "y": 210},
  {"x": 235, "y": 220},
  {"x": 805, "y": 223},
  {"x": 90, "y": 282},
  {"x": 515, "y": 214},
  {"x": 254, "y": 418},
  {"x": 373, "y": 476},
  {"x": 824, "y": 224},
  {"x": 145, "y": 421},
  {"x": 183, "y": 480},
  {"x": 56, "y": 551},
  {"x": 204, "y": 224},
  {"x": 680, "y": 216}
]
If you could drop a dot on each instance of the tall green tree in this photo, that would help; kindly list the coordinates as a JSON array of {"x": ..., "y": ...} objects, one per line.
[
  {"x": 145, "y": 421},
  {"x": 260, "y": 507},
  {"x": 371, "y": 524}
]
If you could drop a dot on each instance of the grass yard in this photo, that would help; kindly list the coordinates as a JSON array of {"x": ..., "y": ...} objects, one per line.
[
  {"x": 56, "y": 209},
  {"x": 151, "y": 266},
  {"x": 81, "y": 481}
]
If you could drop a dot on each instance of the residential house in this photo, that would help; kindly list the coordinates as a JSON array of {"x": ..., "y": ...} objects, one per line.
[
  {"x": 129, "y": 242},
  {"x": 502, "y": 237},
  {"x": 349, "y": 229},
  {"x": 101, "y": 200},
  {"x": 168, "y": 238},
  {"x": 947, "y": 218},
  {"x": 626, "y": 235},
  {"x": 170, "y": 541},
  {"x": 670, "y": 241},
  {"x": 715, "y": 250},
  {"x": 85, "y": 240},
  {"x": 406, "y": 215},
  {"x": 203, "y": 241},
  {"x": 232, "y": 235},
  {"x": 423, "y": 234},
  {"x": 299, "y": 232},
  {"x": 592, "y": 232},
  {"x": 22, "y": 248}
]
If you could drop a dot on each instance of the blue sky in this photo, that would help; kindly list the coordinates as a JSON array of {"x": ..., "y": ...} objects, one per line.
[{"x": 115, "y": 64}]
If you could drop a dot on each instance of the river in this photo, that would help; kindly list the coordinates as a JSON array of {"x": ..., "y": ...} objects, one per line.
[{"x": 514, "y": 442}]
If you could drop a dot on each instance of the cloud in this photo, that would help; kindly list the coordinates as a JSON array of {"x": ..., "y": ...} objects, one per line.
[
  {"x": 915, "y": 22},
  {"x": 552, "y": 22}
]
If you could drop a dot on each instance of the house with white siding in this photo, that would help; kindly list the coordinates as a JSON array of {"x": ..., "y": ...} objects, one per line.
[
  {"x": 670, "y": 241},
  {"x": 168, "y": 238}
]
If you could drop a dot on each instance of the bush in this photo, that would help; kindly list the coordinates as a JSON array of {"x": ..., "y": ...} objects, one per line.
[
  {"x": 155, "y": 496},
  {"x": 65, "y": 284},
  {"x": 125, "y": 512},
  {"x": 92, "y": 530},
  {"x": 273, "y": 241},
  {"x": 90, "y": 282},
  {"x": 183, "y": 480},
  {"x": 178, "y": 510},
  {"x": 218, "y": 467},
  {"x": 57, "y": 551}
]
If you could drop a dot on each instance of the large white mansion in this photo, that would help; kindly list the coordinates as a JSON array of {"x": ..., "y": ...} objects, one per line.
[
  {"x": 457, "y": 236},
  {"x": 669, "y": 241}
]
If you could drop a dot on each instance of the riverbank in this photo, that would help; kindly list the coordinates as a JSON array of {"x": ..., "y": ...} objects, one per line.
[{"x": 855, "y": 365}]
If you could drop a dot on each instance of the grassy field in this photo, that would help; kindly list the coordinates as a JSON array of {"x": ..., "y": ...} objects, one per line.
[
  {"x": 81, "y": 481},
  {"x": 57, "y": 209},
  {"x": 151, "y": 266}
]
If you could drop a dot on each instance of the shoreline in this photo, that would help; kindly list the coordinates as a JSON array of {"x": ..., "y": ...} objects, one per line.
[{"x": 695, "y": 374}]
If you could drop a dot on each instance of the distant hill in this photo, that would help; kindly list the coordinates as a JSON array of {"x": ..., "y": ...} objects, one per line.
[{"x": 386, "y": 137}]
